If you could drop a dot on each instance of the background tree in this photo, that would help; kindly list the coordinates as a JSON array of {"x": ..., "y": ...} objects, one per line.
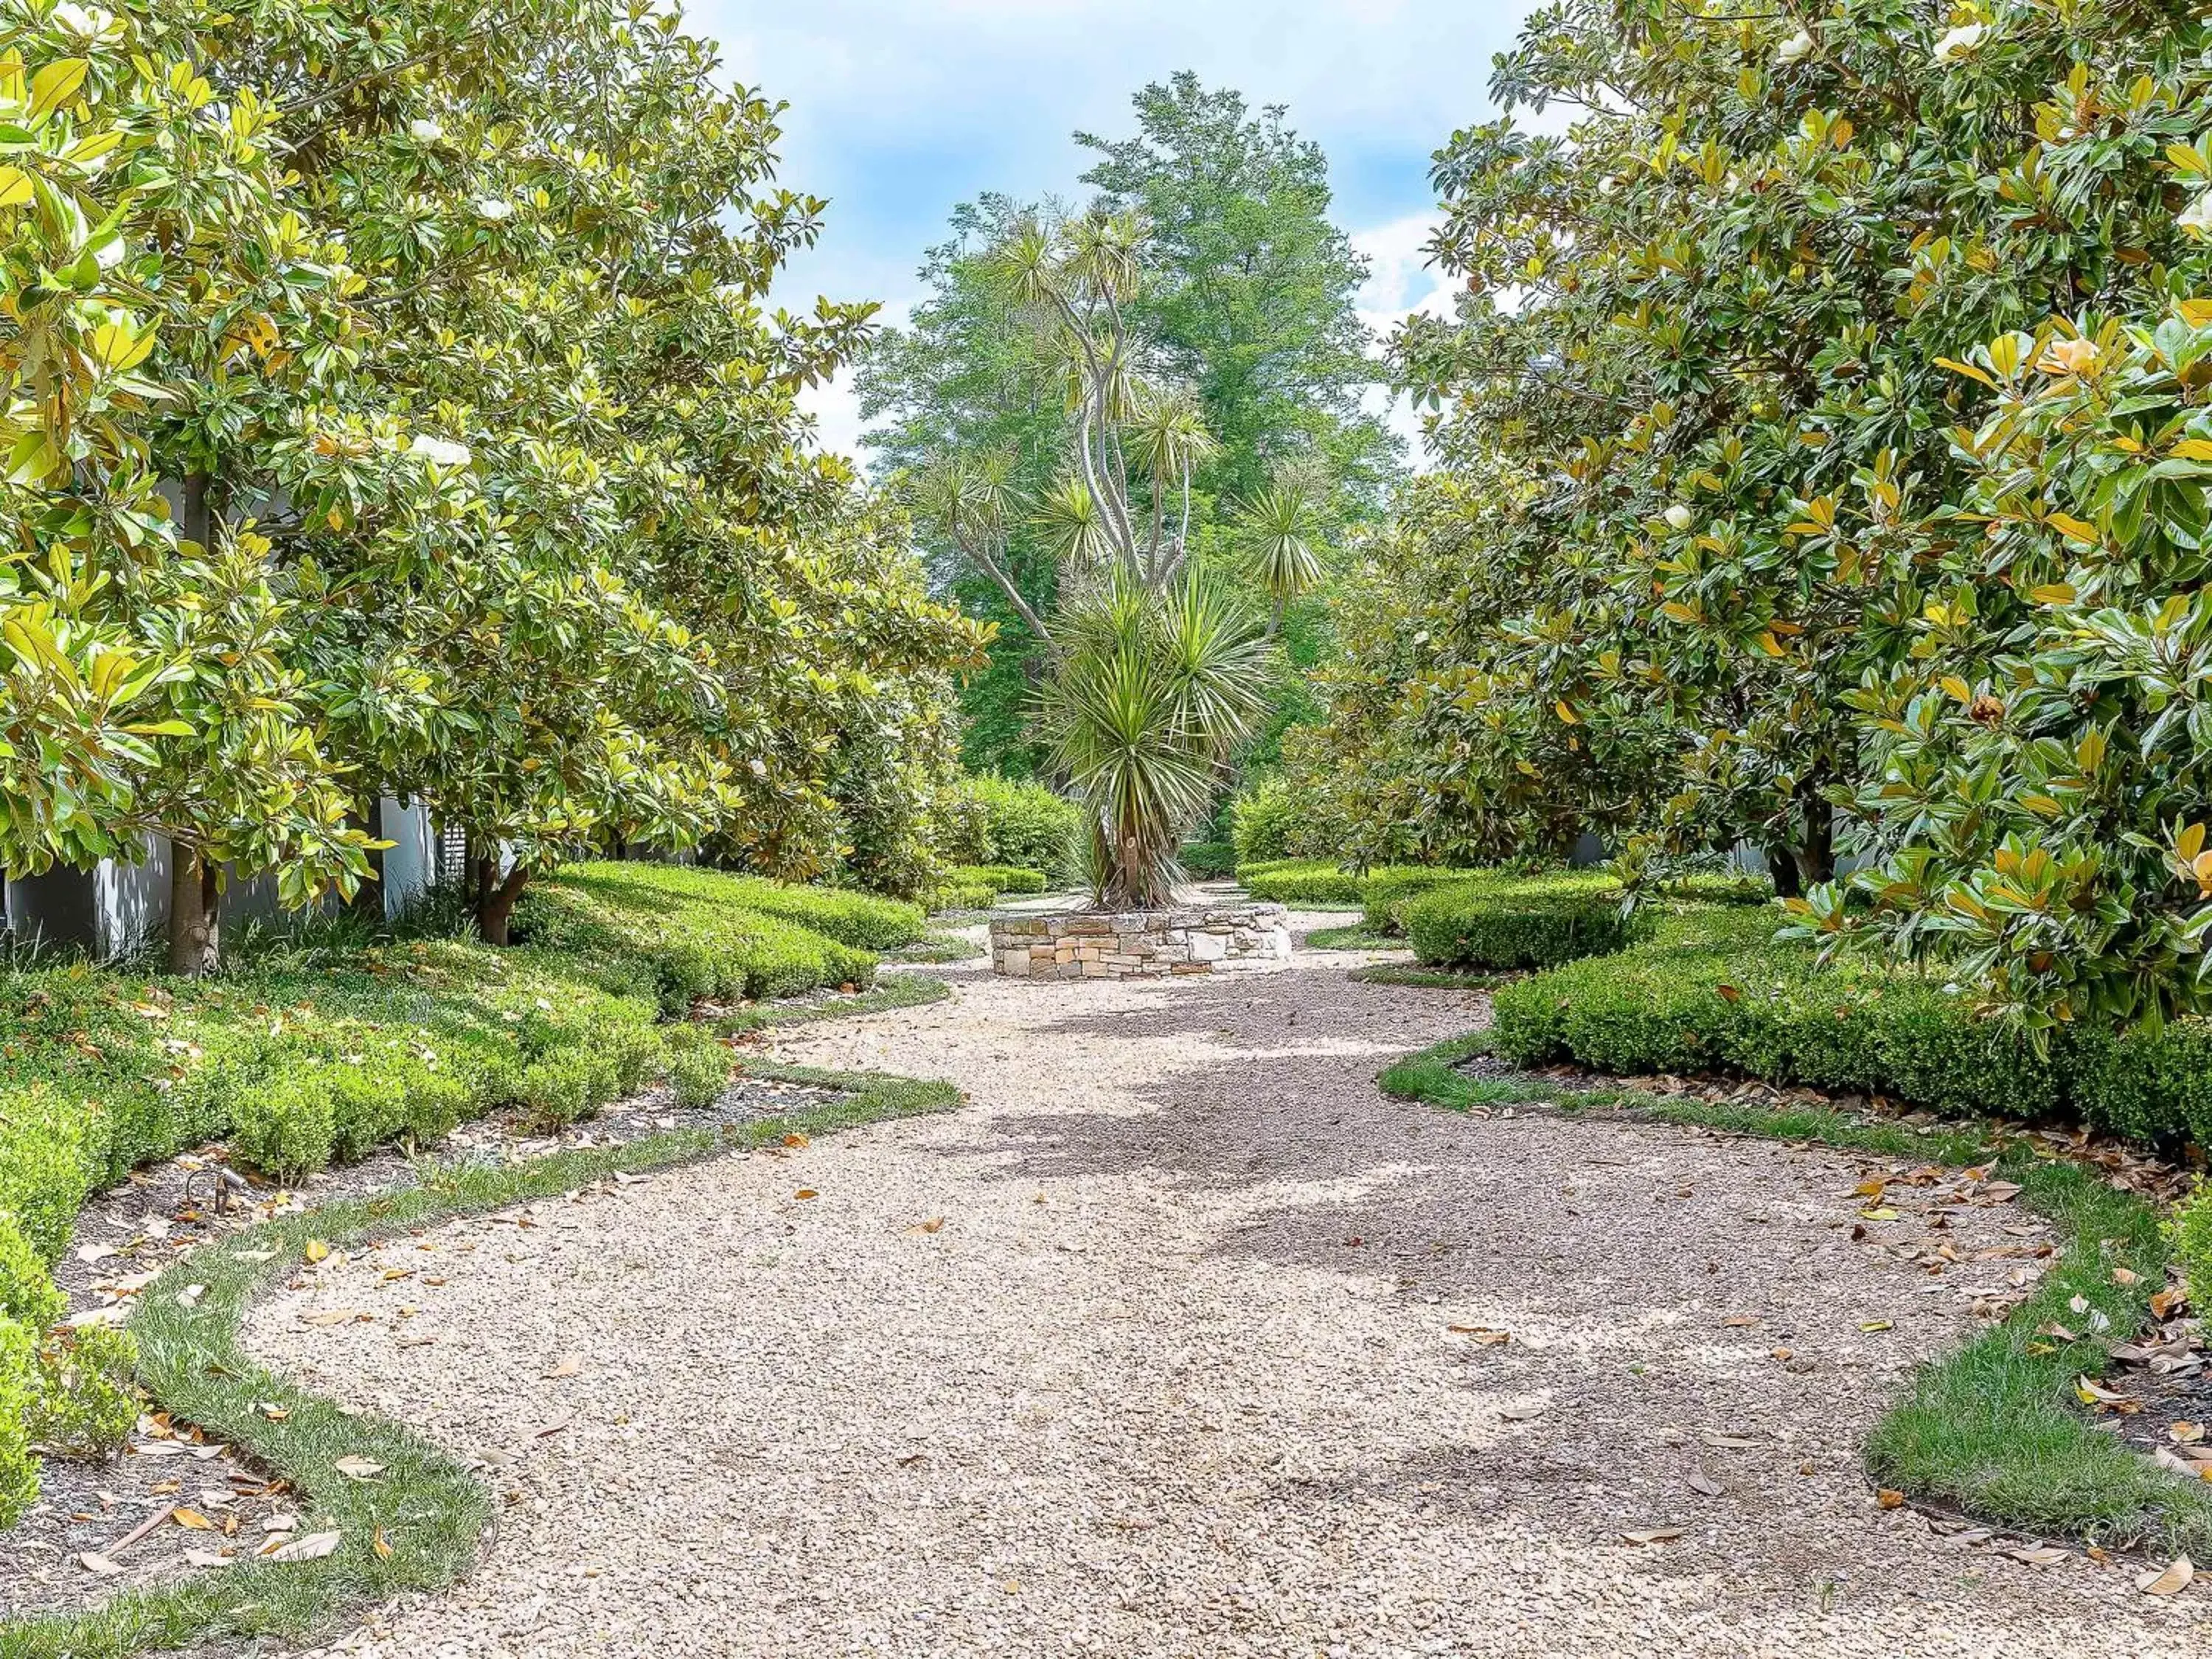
[{"x": 1248, "y": 304}]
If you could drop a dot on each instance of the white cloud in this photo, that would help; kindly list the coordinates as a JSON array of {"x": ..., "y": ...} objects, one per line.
[{"x": 1401, "y": 282}]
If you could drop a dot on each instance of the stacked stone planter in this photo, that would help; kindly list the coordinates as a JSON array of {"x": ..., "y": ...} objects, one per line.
[{"x": 1141, "y": 944}]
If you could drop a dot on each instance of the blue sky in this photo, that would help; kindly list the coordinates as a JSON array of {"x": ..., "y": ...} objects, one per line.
[{"x": 899, "y": 110}]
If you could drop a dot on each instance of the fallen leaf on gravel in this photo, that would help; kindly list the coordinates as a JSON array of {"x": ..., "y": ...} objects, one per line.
[
  {"x": 1888, "y": 1499},
  {"x": 1731, "y": 1440},
  {"x": 1654, "y": 1535},
  {"x": 314, "y": 1548},
  {"x": 569, "y": 1366},
  {"x": 95, "y": 1253},
  {"x": 1522, "y": 1413},
  {"x": 94, "y": 1562},
  {"x": 935, "y": 1224},
  {"x": 2187, "y": 1434},
  {"x": 2042, "y": 1555},
  {"x": 1740, "y": 1321},
  {"x": 796, "y": 1138},
  {"x": 317, "y": 1250},
  {"x": 806, "y": 1191},
  {"x": 1877, "y": 1215},
  {"x": 554, "y": 1427},
  {"x": 1484, "y": 1336},
  {"x": 1874, "y": 1187},
  {"x": 358, "y": 1468},
  {"x": 1704, "y": 1483},
  {"x": 2092, "y": 1393},
  {"x": 1871, "y": 1326},
  {"x": 328, "y": 1318},
  {"x": 192, "y": 1519},
  {"x": 207, "y": 1558},
  {"x": 2163, "y": 1303},
  {"x": 2172, "y": 1581}
]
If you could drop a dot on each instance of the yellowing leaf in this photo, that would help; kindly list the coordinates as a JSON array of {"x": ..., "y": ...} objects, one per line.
[
  {"x": 317, "y": 1250},
  {"x": 57, "y": 84}
]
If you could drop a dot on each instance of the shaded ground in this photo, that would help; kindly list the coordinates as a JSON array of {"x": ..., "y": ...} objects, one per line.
[{"x": 1182, "y": 1341}]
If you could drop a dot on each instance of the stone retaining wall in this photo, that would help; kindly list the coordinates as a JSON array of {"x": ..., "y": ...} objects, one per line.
[{"x": 1139, "y": 944}]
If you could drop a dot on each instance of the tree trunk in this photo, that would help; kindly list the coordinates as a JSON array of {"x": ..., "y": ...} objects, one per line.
[
  {"x": 494, "y": 898},
  {"x": 194, "y": 926},
  {"x": 1781, "y": 865},
  {"x": 1816, "y": 850},
  {"x": 367, "y": 899}
]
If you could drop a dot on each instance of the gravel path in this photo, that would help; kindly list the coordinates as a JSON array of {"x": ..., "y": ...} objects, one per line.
[{"x": 1150, "y": 1351}]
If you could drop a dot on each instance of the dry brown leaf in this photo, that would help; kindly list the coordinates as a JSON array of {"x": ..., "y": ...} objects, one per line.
[
  {"x": 935, "y": 1224},
  {"x": 1483, "y": 1334},
  {"x": 569, "y": 1366},
  {"x": 2040, "y": 1555},
  {"x": 1889, "y": 1499},
  {"x": 358, "y": 1468},
  {"x": 2164, "y": 1303},
  {"x": 2169, "y": 1581},
  {"x": 94, "y": 1562},
  {"x": 1522, "y": 1413},
  {"x": 1702, "y": 1483},
  {"x": 192, "y": 1519},
  {"x": 2126, "y": 1276},
  {"x": 1654, "y": 1535},
  {"x": 1740, "y": 1321},
  {"x": 381, "y": 1545},
  {"x": 314, "y": 1548},
  {"x": 329, "y": 1317},
  {"x": 797, "y": 1137},
  {"x": 2187, "y": 1434},
  {"x": 806, "y": 1191}
]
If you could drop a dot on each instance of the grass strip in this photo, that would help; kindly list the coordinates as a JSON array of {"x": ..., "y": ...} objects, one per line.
[
  {"x": 938, "y": 950},
  {"x": 417, "y": 1524},
  {"x": 893, "y": 991},
  {"x": 1426, "y": 978},
  {"x": 1358, "y": 936},
  {"x": 1996, "y": 1429}
]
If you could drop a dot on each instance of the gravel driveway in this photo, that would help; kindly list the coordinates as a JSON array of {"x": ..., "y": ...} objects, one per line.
[{"x": 1150, "y": 1350}]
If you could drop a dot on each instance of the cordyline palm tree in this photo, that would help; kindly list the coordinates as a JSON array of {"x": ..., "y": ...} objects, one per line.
[{"x": 1158, "y": 673}]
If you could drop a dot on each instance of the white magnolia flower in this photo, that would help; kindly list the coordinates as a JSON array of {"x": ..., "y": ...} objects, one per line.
[
  {"x": 1796, "y": 48},
  {"x": 2197, "y": 215},
  {"x": 495, "y": 209},
  {"x": 429, "y": 131},
  {"x": 1960, "y": 42},
  {"x": 88, "y": 23},
  {"x": 1679, "y": 516},
  {"x": 759, "y": 766},
  {"x": 443, "y": 451}
]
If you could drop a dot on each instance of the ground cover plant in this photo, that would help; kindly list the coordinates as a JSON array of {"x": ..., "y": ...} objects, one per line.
[
  {"x": 1998, "y": 1430},
  {"x": 303, "y": 1055},
  {"x": 416, "y": 1525}
]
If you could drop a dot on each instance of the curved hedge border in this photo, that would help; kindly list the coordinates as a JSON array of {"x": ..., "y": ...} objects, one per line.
[
  {"x": 427, "y": 1510},
  {"x": 1993, "y": 1429}
]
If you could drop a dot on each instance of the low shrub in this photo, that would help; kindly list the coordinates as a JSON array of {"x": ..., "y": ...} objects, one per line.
[
  {"x": 28, "y": 1293},
  {"x": 698, "y": 1067},
  {"x": 46, "y": 1143},
  {"x": 87, "y": 1400},
  {"x": 1386, "y": 892},
  {"x": 18, "y": 1470},
  {"x": 288, "y": 1128},
  {"x": 993, "y": 820},
  {"x": 1499, "y": 926},
  {"x": 559, "y": 1089},
  {"x": 2189, "y": 1236},
  {"x": 1270, "y": 818},
  {"x": 863, "y": 920},
  {"x": 963, "y": 896},
  {"x": 1314, "y": 881},
  {"x": 1005, "y": 878}
]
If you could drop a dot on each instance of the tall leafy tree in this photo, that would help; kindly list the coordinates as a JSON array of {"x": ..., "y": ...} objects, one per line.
[{"x": 1247, "y": 304}]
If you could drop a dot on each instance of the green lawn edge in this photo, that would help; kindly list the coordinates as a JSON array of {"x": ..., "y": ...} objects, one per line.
[
  {"x": 1992, "y": 1430},
  {"x": 429, "y": 1511},
  {"x": 892, "y": 991}
]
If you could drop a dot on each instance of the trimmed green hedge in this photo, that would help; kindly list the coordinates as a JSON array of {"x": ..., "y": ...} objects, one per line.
[
  {"x": 686, "y": 933},
  {"x": 1537, "y": 921},
  {"x": 1713, "y": 990},
  {"x": 1301, "y": 881},
  {"x": 999, "y": 877},
  {"x": 1208, "y": 860}
]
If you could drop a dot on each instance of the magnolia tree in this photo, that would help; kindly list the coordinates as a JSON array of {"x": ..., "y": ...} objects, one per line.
[
  {"x": 394, "y": 410},
  {"x": 1157, "y": 671}
]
